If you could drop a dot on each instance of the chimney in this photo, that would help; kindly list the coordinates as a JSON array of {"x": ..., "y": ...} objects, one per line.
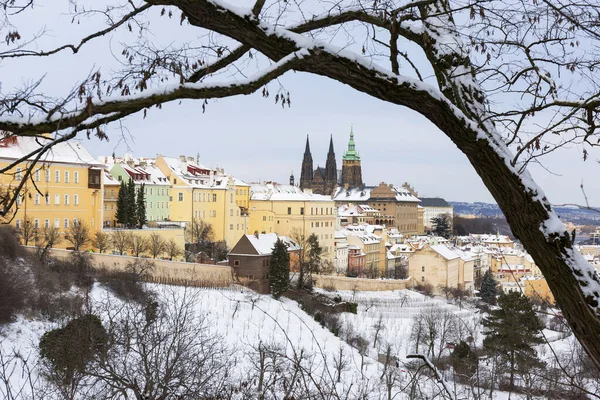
[
  {"x": 182, "y": 158},
  {"x": 191, "y": 159}
]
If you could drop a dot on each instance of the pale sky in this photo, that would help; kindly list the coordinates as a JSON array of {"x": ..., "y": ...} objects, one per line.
[{"x": 254, "y": 139}]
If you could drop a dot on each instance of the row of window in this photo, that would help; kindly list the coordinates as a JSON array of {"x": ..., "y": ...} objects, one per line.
[
  {"x": 314, "y": 211},
  {"x": 37, "y": 176},
  {"x": 321, "y": 224},
  {"x": 237, "y": 227},
  {"x": 66, "y": 199},
  {"x": 36, "y": 223}
]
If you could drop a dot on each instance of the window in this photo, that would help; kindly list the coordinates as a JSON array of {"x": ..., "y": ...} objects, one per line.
[
  {"x": 75, "y": 221},
  {"x": 289, "y": 210},
  {"x": 180, "y": 196},
  {"x": 66, "y": 200},
  {"x": 36, "y": 199},
  {"x": 76, "y": 177},
  {"x": 18, "y": 224},
  {"x": 57, "y": 176},
  {"x": 236, "y": 263},
  {"x": 231, "y": 198},
  {"x": 47, "y": 175},
  {"x": 301, "y": 210},
  {"x": 175, "y": 181},
  {"x": 36, "y": 223},
  {"x": 422, "y": 279},
  {"x": 57, "y": 199},
  {"x": 66, "y": 223},
  {"x": 423, "y": 269},
  {"x": 37, "y": 175},
  {"x": 19, "y": 199},
  {"x": 230, "y": 227},
  {"x": 47, "y": 199},
  {"x": 56, "y": 223},
  {"x": 112, "y": 194},
  {"x": 214, "y": 197},
  {"x": 66, "y": 176},
  {"x": 18, "y": 175},
  {"x": 76, "y": 199},
  {"x": 231, "y": 212},
  {"x": 47, "y": 224}
]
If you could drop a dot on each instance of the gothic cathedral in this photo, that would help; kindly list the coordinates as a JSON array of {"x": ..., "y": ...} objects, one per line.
[{"x": 326, "y": 180}]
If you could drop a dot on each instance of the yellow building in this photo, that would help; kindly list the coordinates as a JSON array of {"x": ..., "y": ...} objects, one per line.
[
  {"x": 111, "y": 188},
  {"x": 283, "y": 209},
  {"x": 198, "y": 192},
  {"x": 64, "y": 188},
  {"x": 537, "y": 288},
  {"x": 441, "y": 266},
  {"x": 420, "y": 220}
]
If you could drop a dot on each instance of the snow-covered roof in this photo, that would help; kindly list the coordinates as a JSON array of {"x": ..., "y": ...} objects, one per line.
[
  {"x": 264, "y": 243},
  {"x": 199, "y": 176},
  {"x": 70, "y": 152},
  {"x": 277, "y": 192},
  {"x": 364, "y": 194},
  {"x": 445, "y": 252}
]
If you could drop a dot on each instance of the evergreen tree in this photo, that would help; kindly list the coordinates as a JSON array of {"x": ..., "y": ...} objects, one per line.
[
  {"x": 314, "y": 255},
  {"x": 121, "y": 213},
  {"x": 464, "y": 360},
  {"x": 489, "y": 288},
  {"x": 279, "y": 269},
  {"x": 142, "y": 219},
  {"x": 511, "y": 332},
  {"x": 441, "y": 226},
  {"x": 130, "y": 204}
]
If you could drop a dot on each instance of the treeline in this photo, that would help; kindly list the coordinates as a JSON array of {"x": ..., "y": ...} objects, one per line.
[{"x": 481, "y": 225}]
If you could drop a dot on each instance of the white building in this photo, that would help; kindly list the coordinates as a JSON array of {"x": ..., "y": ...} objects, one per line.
[{"x": 435, "y": 207}]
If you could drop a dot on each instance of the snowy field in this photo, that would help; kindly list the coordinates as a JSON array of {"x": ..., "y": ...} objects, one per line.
[{"x": 244, "y": 321}]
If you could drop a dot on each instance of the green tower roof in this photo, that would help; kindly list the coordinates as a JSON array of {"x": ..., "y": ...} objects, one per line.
[{"x": 351, "y": 154}]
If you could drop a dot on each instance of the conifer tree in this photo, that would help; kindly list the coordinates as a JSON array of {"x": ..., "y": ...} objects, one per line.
[
  {"x": 131, "y": 204},
  {"x": 511, "y": 332},
  {"x": 441, "y": 226},
  {"x": 489, "y": 288},
  {"x": 279, "y": 269},
  {"x": 141, "y": 207},
  {"x": 121, "y": 213},
  {"x": 314, "y": 255}
]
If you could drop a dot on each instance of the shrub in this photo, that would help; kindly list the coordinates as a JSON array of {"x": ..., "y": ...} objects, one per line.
[
  {"x": 15, "y": 288},
  {"x": 126, "y": 285},
  {"x": 9, "y": 243},
  {"x": 68, "y": 350},
  {"x": 352, "y": 307}
]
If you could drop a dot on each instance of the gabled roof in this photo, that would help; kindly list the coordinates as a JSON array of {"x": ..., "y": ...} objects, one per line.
[
  {"x": 277, "y": 192},
  {"x": 434, "y": 202},
  {"x": 263, "y": 244},
  {"x": 70, "y": 152},
  {"x": 355, "y": 194},
  {"x": 445, "y": 252}
]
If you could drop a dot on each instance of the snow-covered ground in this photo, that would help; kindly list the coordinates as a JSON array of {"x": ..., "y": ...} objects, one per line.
[{"x": 244, "y": 319}]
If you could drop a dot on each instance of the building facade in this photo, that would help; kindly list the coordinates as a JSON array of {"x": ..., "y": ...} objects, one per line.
[
  {"x": 287, "y": 210},
  {"x": 65, "y": 186},
  {"x": 435, "y": 207}
]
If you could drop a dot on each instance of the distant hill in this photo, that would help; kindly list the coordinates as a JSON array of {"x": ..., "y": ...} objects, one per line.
[{"x": 572, "y": 214}]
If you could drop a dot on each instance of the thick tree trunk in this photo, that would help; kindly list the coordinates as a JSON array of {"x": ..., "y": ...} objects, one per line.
[{"x": 524, "y": 212}]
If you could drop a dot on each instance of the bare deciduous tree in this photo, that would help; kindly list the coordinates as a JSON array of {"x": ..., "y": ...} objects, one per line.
[
  {"x": 138, "y": 244},
  {"x": 156, "y": 245},
  {"x": 507, "y": 81},
  {"x": 78, "y": 234},
  {"x": 101, "y": 241},
  {"x": 172, "y": 249},
  {"x": 120, "y": 240}
]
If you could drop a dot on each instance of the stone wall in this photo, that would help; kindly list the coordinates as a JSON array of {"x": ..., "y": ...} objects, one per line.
[
  {"x": 170, "y": 272},
  {"x": 360, "y": 284}
]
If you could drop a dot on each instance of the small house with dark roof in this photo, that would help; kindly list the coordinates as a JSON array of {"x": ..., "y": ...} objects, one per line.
[{"x": 251, "y": 256}]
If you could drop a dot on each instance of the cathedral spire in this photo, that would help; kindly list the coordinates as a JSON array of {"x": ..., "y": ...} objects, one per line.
[
  {"x": 331, "y": 168},
  {"x": 331, "y": 145},
  {"x": 307, "y": 148},
  {"x": 306, "y": 172}
]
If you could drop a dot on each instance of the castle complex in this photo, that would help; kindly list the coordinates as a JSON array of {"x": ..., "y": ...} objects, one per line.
[{"x": 326, "y": 180}]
